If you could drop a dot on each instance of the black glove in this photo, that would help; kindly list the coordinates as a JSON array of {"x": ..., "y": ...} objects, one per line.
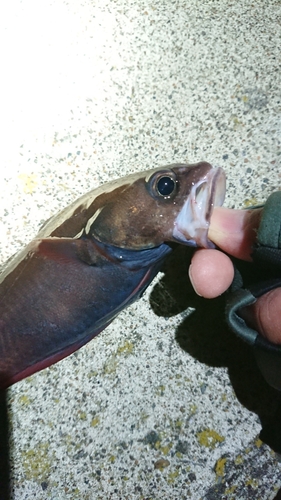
[{"x": 255, "y": 279}]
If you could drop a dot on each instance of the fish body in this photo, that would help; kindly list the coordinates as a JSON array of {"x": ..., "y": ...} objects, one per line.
[{"x": 95, "y": 258}]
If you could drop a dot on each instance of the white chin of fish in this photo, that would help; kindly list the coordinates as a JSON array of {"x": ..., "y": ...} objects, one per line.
[{"x": 193, "y": 221}]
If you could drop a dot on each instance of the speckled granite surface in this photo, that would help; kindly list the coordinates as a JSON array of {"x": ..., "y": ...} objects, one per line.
[{"x": 162, "y": 404}]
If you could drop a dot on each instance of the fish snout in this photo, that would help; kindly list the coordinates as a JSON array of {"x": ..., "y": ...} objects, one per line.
[{"x": 192, "y": 223}]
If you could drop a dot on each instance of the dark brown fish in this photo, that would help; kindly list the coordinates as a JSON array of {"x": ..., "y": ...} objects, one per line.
[{"x": 96, "y": 257}]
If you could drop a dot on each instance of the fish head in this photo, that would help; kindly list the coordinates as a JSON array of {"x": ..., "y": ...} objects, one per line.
[{"x": 169, "y": 204}]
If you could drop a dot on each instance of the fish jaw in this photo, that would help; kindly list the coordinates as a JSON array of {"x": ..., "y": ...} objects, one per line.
[{"x": 192, "y": 223}]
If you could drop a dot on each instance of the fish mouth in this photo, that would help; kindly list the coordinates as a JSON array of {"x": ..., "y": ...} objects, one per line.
[{"x": 192, "y": 223}]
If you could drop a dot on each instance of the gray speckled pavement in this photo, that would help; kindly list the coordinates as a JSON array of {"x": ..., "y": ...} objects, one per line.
[{"x": 165, "y": 403}]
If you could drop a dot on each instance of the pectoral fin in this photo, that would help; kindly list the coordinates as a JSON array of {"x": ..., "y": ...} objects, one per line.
[{"x": 58, "y": 297}]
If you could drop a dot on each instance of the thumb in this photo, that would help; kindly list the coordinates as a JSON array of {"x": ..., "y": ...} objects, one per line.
[{"x": 234, "y": 231}]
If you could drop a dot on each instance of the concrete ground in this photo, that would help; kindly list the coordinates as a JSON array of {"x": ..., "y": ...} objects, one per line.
[{"x": 165, "y": 403}]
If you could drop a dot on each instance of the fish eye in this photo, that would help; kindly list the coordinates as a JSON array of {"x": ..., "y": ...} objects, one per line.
[
  {"x": 166, "y": 185},
  {"x": 162, "y": 184}
]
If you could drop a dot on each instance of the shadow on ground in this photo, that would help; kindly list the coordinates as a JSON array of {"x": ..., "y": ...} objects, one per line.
[{"x": 205, "y": 335}]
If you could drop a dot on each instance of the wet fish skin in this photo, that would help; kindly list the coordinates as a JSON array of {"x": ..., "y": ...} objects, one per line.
[{"x": 95, "y": 258}]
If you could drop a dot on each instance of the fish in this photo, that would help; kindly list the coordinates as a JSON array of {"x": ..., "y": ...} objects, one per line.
[{"x": 96, "y": 257}]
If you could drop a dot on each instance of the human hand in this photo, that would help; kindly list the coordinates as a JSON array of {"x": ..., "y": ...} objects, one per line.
[{"x": 211, "y": 271}]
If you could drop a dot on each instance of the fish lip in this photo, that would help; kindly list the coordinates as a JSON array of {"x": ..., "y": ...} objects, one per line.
[{"x": 192, "y": 223}]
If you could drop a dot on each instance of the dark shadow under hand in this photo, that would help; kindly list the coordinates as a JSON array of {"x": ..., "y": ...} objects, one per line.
[{"x": 205, "y": 336}]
